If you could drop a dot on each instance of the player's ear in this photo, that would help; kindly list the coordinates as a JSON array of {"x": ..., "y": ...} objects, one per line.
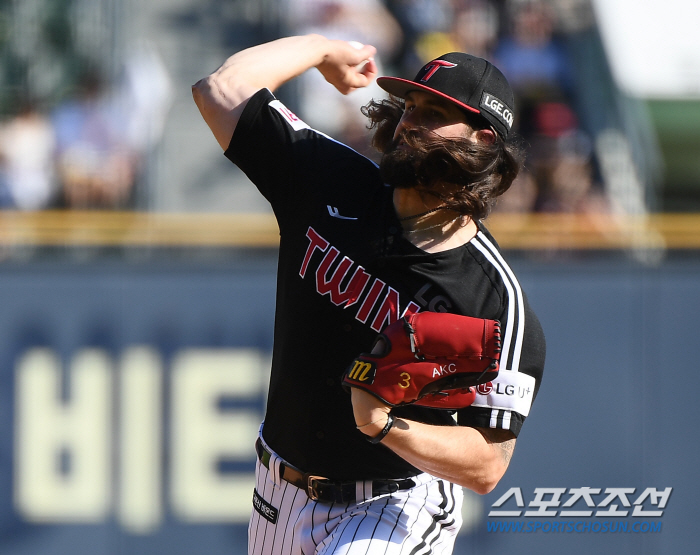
[{"x": 486, "y": 136}]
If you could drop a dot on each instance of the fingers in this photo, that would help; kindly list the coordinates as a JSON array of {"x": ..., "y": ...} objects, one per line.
[
  {"x": 349, "y": 66},
  {"x": 365, "y": 50},
  {"x": 368, "y": 70},
  {"x": 366, "y": 67},
  {"x": 358, "y": 77}
]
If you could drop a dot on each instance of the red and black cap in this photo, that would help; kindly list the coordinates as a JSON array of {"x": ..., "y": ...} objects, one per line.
[{"x": 470, "y": 82}]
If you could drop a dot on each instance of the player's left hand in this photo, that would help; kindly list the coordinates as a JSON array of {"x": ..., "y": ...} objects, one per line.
[{"x": 369, "y": 411}]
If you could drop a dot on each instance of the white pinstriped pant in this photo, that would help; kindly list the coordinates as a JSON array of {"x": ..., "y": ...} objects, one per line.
[{"x": 417, "y": 521}]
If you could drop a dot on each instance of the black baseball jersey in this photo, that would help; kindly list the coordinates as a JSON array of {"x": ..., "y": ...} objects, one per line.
[{"x": 344, "y": 273}]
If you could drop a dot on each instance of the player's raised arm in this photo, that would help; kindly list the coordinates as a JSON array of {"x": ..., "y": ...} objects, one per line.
[{"x": 222, "y": 96}]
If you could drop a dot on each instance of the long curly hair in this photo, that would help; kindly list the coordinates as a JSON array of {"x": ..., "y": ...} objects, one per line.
[{"x": 468, "y": 177}]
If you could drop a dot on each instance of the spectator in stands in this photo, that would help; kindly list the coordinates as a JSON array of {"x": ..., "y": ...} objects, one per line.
[
  {"x": 533, "y": 59},
  {"x": 569, "y": 186},
  {"x": 27, "y": 180},
  {"x": 560, "y": 172},
  {"x": 562, "y": 160},
  {"x": 426, "y": 26},
  {"x": 95, "y": 162},
  {"x": 475, "y": 27},
  {"x": 469, "y": 26}
]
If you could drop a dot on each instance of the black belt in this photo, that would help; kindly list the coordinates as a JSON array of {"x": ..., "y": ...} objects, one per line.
[{"x": 325, "y": 490}]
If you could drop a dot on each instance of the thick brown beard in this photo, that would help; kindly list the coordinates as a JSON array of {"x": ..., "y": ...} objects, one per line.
[
  {"x": 467, "y": 177},
  {"x": 426, "y": 162},
  {"x": 398, "y": 168}
]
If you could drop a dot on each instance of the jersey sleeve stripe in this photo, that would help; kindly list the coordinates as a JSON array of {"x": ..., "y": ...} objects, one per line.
[
  {"x": 494, "y": 418},
  {"x": 508, "y": 333},
  {"x": 506, "y": 420},
  {"x": 515, "y": 327},
  {"x": 297, "y": 125}
]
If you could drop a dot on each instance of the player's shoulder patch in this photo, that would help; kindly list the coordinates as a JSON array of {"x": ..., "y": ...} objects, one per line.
[{"x": 291, "y": 118}]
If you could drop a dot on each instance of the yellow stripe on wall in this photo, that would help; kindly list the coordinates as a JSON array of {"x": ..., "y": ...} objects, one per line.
[{"x": 512, "y": 231}]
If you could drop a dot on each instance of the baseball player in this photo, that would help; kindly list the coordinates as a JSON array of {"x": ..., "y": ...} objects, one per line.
[{"x": 365, "y": 248}]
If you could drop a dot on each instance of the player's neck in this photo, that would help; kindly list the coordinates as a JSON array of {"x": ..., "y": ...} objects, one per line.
[{"x": 427, "y": 225}]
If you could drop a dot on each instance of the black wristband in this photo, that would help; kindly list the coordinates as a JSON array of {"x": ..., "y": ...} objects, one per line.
[{"x": 380, "y": 436}]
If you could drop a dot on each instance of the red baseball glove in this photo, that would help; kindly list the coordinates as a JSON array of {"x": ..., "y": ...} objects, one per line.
[{"x": 429, "y": 359}]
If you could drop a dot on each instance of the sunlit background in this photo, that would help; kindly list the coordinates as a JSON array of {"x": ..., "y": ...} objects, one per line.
[{"x": 137, "y": 265}]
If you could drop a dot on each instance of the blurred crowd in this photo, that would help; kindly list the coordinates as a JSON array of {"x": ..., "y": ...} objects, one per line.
[
  {"x": 89, "y": 151},
  {"x": 524, "y": 38}
]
